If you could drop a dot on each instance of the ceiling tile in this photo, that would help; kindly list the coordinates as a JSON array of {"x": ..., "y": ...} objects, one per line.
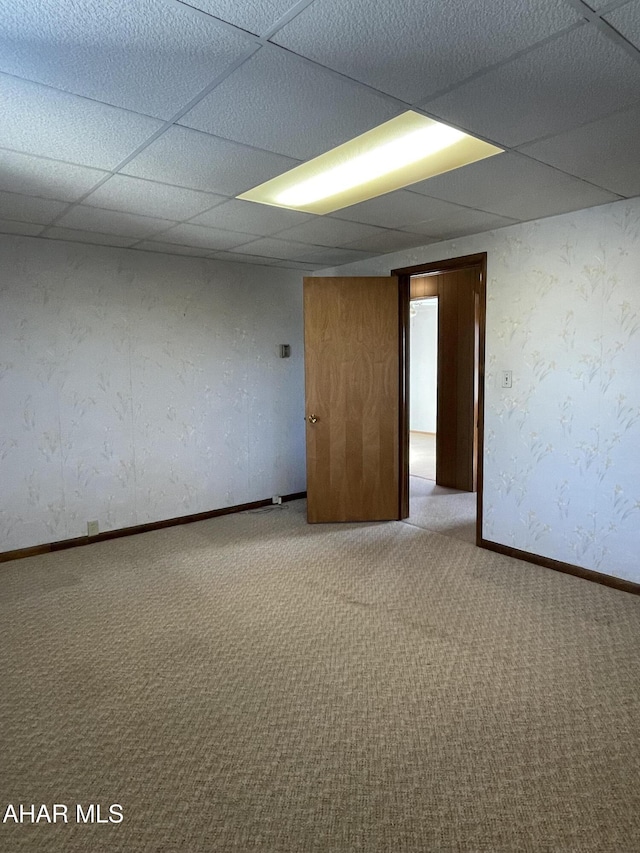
[
  {"x": 570, "y": 86},
  {"x": 459, "y": 222},
  {"x": 289, "y": 106},
  {"x": 334, "y": 257},
  {"x": 600, "y": 4},
  {"x": 172, "y": 248},
  {"x": 48, "y": 123},
  {"x": 77, "y": 236},
  {"x": 136, "y": 195},
  {"x": 575, "y": 78},
  {"x": 27, "y": 208},
  {"x": 258, "y": 16},
  {"x": 236, "y": 257},
  {"x": 390, "y": 241},
  {"x": 325, "y": 231},
  {"x": 22, "y": 173},
  {"x": 198, "y": 235},
  {"x": 96, "y": 49},
  {"x": 299, "y": 265},
  {"x": 189, "y": 158},
  {"x": 412, "y": 49},
  {"x": 604, "y": 152},
  {"x": 259, "y": 219},
  {"x": 270, "y": 247},
  {"x": 87, "y": 218},
  {"x": 512, "y": 186},
  {"x": 626, "y": 21},
  {"x": 393, "y": 210},
  {"x": 8, "y": 226}
]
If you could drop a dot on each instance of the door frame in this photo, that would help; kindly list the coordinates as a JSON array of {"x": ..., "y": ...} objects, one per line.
[{"x": 404, "y": 274}]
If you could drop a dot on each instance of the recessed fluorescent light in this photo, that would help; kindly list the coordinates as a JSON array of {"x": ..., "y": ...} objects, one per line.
[{"x": 409, "y": 148}]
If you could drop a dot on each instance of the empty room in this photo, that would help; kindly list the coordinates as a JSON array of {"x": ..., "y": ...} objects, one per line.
[{"x": 319, "y": 426}]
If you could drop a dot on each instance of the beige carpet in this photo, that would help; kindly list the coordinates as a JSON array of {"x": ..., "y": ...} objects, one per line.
[
  {"x": 433, "y": 507},
  {"x": 252, "y": 683},
  {"x": 441, "y": 510}
]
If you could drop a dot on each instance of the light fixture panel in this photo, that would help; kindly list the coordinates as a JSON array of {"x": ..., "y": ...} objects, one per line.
[{"x": 396, "y": 154}]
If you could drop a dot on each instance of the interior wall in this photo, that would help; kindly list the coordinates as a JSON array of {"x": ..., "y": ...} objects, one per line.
[
  {"x": 561, "y": 460},
  {"x": 138, "y": 387},
  {"x": 423, "y": 361}
]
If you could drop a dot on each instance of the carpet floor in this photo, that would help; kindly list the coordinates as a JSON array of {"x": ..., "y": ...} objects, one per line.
[
  {"x": 254, "y": 683},
  {"x": 442, "y": 510},
  {"x": 422, "y": 455}
]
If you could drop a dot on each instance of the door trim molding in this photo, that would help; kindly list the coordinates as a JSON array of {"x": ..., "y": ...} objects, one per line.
[
  {"x": 404, "y": 274},
  {"x": 404, "y": 295},
  {"x": 480, "y": 260},
  {"x": 434, "y": 267}
]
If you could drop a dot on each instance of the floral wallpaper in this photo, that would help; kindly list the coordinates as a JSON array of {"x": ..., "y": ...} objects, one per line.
[
  {"x": 138, "y": 387},
  {"x": 562, "y": 445}
]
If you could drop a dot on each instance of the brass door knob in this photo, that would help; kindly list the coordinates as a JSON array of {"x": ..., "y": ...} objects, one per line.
[{"x": 312, "y": 419}]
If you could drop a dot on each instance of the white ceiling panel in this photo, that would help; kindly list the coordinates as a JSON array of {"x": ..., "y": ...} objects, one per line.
[
  {"x": 198, "y": 235},
  {"x": 236, "y": 257},
  {"x": 412, "y": 49},
  {"x": 271, "y": 247},
  {"x": 135, "y": 195},
  {"x": 316, "y": 109},
  {"x": 189, "y": 158},
  {"x": 9, "y": 226},
  {"x": 86, "y": 218},
  {"x": 259, "y": 219},
  {"x": 626, "y": 21},
  {"x": 49, "y": 123},
  {"x": 578, "y": 77},
  {"x": 543, "y": 77},
  {"x": 395, "y": 210},
  {"x": 334, "y": 257},
  {"x": 513, "y": 186},
  {"x": 78, "y": 236},
  {"x": 601, "y": 4},
  {"x": 27, "y": 208},
  {"x": 22, "y": 173},
  {"x": 604, "y": 152},
  {"x": 172, "y": 248},
  {"x": 460, "y": 222},
  {"x": 389, "y": 241},
  {"x": 325, "y": 231},
  {"x": 258, "y": 16},
  {"x": 300, "y": 265},
  {"x": 98, "y": 48}
]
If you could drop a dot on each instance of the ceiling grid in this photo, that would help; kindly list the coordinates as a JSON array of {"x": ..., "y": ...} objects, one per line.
[{"x": 137, "y": 125}]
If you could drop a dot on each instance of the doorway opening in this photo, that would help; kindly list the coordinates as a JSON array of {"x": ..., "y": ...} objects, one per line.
[
  {"x": 458, "y": 286},
  {"x": 423, "y": 383}
]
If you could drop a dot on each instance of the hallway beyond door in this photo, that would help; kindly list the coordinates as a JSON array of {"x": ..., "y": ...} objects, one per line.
[{"x": 422, "y": 455}]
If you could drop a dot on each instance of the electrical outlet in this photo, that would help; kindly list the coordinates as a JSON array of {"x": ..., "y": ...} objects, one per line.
[
  {"x": 276, "y": 499},
  {"x": 93, "y": 528},
  {"x": 506, "y": 379}
]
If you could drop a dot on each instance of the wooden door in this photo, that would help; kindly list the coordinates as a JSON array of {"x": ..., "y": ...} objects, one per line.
[
  {"x": 352, "y": 381},
  {"x": 458, "y": 350}
]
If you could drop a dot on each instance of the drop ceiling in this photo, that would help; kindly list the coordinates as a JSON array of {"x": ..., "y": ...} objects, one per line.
[{"x": 136, "y": 124}]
